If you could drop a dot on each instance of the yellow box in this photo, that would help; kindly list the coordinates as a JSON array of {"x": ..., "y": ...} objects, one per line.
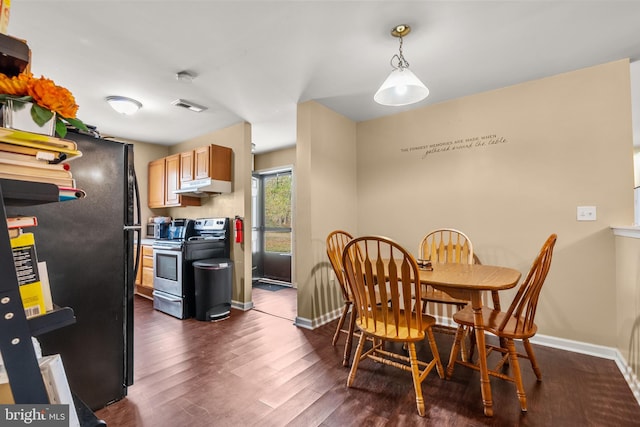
[{"x": 26, "y": 263}]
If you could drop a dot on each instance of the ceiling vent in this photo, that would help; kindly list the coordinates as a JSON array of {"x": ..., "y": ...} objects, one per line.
[{"x": 188, "y": 105}]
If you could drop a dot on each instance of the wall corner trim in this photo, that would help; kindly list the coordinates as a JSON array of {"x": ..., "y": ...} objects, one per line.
[{"x": 628, "y": 231}]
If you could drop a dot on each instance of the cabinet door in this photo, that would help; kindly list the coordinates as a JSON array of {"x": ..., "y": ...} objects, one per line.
[
  {"x": 172, "y": 180},
  {"x": 147, "y": 267},
  {"x": 220, "y": 162},
  {"x": 156, "y": 183},
  {"x": 186, "y": 166},
  {"x": 202, "y": 162},
  {"x": 147, "y": 277}
]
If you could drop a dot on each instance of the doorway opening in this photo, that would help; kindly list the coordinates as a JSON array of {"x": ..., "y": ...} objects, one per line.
[
  {"x": 272, "y": 232},
  {"x": 272, "y": 237}
]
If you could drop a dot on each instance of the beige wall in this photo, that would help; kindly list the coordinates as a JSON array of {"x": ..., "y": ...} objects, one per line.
[
  {"x": 238, "y": 202},
  {"x": 516, "y": 164},
  {"x": 143, "y": 153},
  {"x": 325, "y": 199},
  {"x": 275, "y": 159}
]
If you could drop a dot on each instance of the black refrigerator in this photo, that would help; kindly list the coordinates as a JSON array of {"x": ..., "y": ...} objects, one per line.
[{"x": 88, "y": 245}]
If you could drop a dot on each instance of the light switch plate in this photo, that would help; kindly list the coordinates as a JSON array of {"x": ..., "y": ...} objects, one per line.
[{"x": 586, "y": 213}]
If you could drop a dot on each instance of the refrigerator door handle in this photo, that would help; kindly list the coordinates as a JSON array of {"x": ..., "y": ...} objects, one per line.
[{"x": 136, "y": 227}]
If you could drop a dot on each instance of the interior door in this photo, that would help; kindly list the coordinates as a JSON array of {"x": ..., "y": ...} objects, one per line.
[{"x": 273, "y": 232}]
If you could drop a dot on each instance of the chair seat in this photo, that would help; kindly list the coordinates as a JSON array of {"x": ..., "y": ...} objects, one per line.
[
  {"x": 401, "y": 333},
  {"x": 492, "y": 320}
]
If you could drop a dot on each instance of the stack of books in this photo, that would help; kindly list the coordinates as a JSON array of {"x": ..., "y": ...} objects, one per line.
[
  {"x": 38, "y": 158},
  {"x": 26, "y": 156}
]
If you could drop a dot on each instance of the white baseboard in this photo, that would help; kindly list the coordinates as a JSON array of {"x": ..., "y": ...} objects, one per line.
[
  {"x": 302, "y": 322},
  {"x": 318, "y": 321},
  {"x": 244, "y": 306}
]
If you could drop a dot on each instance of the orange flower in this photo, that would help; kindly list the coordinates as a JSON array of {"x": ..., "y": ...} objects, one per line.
[
  {"x": 47, "y": 98},
  {"x": 15, "y": 85},
  {"x": 48, "y": 95}
]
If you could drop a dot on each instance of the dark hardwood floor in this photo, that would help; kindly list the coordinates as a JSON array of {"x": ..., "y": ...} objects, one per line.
[
  {"x": 282, "y": 303},
  {"x": 258, "y": 369}
]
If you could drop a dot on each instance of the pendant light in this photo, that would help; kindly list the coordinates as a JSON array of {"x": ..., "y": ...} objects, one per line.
[{"x": 402, "y": 87}]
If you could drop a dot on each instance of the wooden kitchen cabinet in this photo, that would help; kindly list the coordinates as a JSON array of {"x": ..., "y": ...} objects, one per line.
[
  {"x": 186, "y": 166},
  {"x": 164, "y": 179},
  {"x": 144, "y": 278},
  {"x": 156, "y": 184},
  {"x": 172, "y": 180},
  {"x": 210, "y": 161},
  {"x": 202, "y": 162}
]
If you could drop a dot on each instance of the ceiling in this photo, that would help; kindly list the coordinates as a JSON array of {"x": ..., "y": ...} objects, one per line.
[{"x": 256, "y": 60}]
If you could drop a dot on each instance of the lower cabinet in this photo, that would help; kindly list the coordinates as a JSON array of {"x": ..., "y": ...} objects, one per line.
[{"x": 144, "y": 278}]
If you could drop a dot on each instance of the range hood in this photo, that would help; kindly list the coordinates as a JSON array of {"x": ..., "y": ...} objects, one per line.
[{"x": 204, "y": 187}]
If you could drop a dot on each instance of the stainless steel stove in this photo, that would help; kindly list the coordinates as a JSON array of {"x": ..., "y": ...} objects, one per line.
[{"x": 189, "y": 240}]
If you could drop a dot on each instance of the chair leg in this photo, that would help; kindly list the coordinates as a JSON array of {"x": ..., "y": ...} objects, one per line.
[
  {"x": 434, "y": 351},
  {"x": 356, "y": 360},
  {"x": 463, "y": 342},
  {"x": 349, "y": 341},
  {"x": 472, "y": 342},
  {"x": 340, "y": 324},
  {"x": 415, "y": 373},
  {"x": 517, "y": 377},
  {"x": 532, "y": 358},
  {"x": 463, "y": 346},
  {"x": 454, "y": 350}
]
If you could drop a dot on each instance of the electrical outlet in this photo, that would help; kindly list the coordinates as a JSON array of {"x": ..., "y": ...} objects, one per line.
[{"x": 586, "y": 213}]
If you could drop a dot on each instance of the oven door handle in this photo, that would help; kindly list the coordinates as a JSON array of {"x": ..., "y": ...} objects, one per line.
[
  {"x": 166, "y": 249},
  {"x": 164, "y": 297}
]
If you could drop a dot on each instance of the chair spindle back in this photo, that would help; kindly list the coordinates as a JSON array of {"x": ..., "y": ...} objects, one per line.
[
  {"x": 382, "y": 277},
  {"x": 336, "y": 241},
  {"x": 446, "y": 245},
  {"x": 525, "y": 303}
]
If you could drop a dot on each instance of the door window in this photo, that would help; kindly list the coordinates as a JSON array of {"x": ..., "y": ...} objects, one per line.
[{"x": 277, "y": 213}]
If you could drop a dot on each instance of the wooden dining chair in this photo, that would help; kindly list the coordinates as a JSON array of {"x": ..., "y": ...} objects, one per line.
[
  {"x": 385, "y": 313},
  {"x": 336, "y": 241},
  {"x": 517, "y": 323},
  {"x": 446, "y": 245}
]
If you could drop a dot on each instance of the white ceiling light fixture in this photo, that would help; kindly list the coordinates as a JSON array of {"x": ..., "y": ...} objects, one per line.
[
  {"x": 402, "y": 87},
  {"x": 124, "y": 105}
]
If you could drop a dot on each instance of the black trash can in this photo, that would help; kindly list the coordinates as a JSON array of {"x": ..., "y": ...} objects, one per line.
[{"x": 213, "y": 279}]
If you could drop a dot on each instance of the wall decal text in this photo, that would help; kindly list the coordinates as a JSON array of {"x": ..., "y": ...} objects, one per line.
[{"x": 457, "y": 145}]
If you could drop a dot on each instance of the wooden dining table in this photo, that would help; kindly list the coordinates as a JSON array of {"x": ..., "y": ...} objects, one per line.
[{"x": 469, "y": 281}]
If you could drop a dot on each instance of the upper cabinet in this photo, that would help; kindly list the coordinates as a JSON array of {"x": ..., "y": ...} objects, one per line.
[
  {"x": 156, "y": 184},
  {"x": 172, "y": 180},
  {"x": 186, "y": 166},
  {"x": 202, "y": 162},
  {"x": 182, "y": 179},
  {"x": 164, "y": 180},
  {"x": 212, "y": 161}
]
